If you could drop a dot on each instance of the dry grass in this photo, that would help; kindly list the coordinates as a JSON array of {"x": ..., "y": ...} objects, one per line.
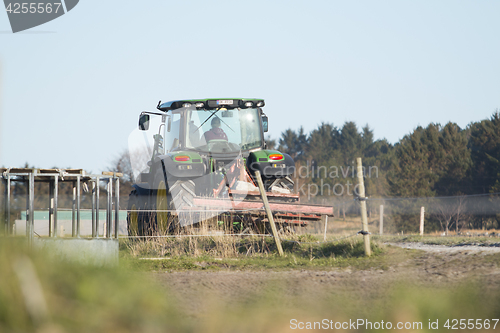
[
  {"x": 216, "y": 246},
  {"x": 247, "y": 252}
]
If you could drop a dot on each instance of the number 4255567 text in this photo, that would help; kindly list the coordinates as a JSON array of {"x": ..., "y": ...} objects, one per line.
[{"x": 33, "y": 7}]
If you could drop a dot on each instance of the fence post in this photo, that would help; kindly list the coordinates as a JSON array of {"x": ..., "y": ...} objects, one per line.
[
  {"x": 326, "y": 225},
  {"x": 381, "y": 219},
  {"x": 78, "y": 201},
  {"x": 7, "y": 206},
  {"x": 73, "y": 212},
  {"x": 56, "y": 196},
  {"x": 364, "y": 219},
  {"x": 97, "y": 206},
  {"x": 422, "y": 221},
  {"x": 109, "y": 208},
  {"x": 30, "y": 220},
  {"x": 51, "y": 210},
  {"x": 117, "y": 206},
  {"x": 94, "y": 229},
  {"x": 269, "y": 213}
]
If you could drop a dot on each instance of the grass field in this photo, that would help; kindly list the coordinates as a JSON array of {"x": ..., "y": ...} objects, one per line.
[
  {"x": 333, "y": 281},
  {"x": 241, "y": 285}
]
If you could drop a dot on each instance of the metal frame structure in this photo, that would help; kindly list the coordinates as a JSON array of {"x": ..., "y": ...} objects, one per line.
[{"x": 54, "y": 176}]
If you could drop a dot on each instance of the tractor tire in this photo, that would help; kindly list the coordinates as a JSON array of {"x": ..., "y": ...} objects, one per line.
[
  {"x": 162, "y": 202},
  {"x": 183, "y": 194},
  {"x": 287, "y": 183},
  {"x": 135, "y": 217},
  {"x": 284, "y": 182},
  {"x": 174, "y": 197}
]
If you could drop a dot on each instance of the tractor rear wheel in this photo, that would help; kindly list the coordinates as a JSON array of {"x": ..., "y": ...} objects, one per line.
[
  {"x": 183, "y": 194},
  {"x": 176, "y": 195},
  {"x": 135, "y": 217},
  {"x": 280, "y": 185},
  {"x": 162, "y": 201}
]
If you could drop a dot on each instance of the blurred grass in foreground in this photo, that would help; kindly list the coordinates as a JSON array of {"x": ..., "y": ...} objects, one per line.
[
  {"x": 273, "y": 308},
  {"x": 127, "y": 298},
  {"x": 78, "y": 298}
]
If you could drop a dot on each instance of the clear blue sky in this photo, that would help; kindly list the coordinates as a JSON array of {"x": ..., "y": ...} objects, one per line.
[{"x": 72, "y": 89}]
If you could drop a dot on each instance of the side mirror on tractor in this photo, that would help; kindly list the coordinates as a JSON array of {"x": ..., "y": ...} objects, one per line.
[
  {"x": 144, "y": 122},
  {"x": 265, "y": 125}
]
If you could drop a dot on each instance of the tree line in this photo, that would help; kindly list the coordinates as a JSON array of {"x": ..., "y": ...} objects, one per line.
[{"x": 433, "y": 162}]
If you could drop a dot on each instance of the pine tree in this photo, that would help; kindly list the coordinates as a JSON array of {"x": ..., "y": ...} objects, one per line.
[
  {"x": 454, "y": 162},
  {"x": 322, "y": 143},
  {"x": 484, "y": 144},
  {"x": 351, "y": 142},
  {"x": 293, "y": 143},
  {"x": 412, "y": 175}
]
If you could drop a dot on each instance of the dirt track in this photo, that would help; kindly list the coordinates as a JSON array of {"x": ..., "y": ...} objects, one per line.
[
  {"x": 463, "y": 249},
  {"x": 435, "y": 266}
]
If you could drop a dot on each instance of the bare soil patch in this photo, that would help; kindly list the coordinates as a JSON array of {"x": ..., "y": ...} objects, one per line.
[{"x": 430, "y": 266}]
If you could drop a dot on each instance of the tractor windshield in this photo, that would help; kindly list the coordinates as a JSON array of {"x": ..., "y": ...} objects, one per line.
[{"x": 221, "y": 130}]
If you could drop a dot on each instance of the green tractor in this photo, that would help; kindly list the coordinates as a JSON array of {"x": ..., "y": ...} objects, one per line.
[{"x": 206, "y": 153}]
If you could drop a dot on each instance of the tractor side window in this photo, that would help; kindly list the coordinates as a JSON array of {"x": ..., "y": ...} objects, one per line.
[
  {"x": 172, "y": 138},
  {"x": 199, "y": 123},
  {"x": 193, "y": 137}
]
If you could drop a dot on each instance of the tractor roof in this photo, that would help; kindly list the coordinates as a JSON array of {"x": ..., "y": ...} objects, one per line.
[{"x": 212, "y": 103}]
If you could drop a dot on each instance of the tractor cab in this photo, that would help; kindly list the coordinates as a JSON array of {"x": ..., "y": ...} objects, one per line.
[
  {"x": 216, "y": 133},
  {"x": 212, "y": 126}
]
